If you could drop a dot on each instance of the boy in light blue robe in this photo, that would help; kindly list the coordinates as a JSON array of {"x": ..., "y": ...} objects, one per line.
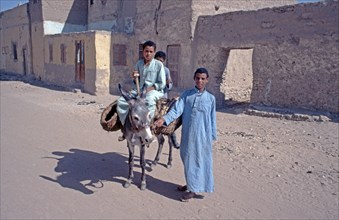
[
  {"x": 198, "y": 110},
  {"x": 151, "y": 73}
]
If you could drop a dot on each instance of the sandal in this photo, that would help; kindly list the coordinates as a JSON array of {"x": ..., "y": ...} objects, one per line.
[
  {"x": 187, "y": 197},
  {"x": 182, "y": 188}
]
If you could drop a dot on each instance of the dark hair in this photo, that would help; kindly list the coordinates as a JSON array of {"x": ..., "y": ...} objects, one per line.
[
  {"x": 149, "y": 44},
  {"x": 201, "y": 70},
  {"x": 160, "y": 54}
]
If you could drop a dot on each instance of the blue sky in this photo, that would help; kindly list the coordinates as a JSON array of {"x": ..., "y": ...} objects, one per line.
[{"x": 8, "y": 4}]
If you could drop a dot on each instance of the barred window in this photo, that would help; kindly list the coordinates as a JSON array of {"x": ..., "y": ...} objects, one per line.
[{"x": 119, "y": 54}]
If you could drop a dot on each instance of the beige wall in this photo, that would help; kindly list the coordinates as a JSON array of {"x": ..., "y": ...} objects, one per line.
[
  {"x": 167, "y": 22},
  {"x": 294, "y": 53},
  {"x": 14, "y": 29},
  {"x": 102, "y": 65},
  {"x": 292, "y": 47}
]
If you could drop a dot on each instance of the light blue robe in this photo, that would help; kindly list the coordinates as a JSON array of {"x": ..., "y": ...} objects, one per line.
[
  {"x": 152, "y": 74},
  {"x": 198, "y": 110}
]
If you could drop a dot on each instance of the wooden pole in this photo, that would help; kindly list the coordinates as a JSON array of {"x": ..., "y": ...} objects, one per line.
[{"x": 137, "y": 85}]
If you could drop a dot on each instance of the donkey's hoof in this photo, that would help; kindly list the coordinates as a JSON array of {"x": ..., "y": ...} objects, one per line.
[
  {"x": 127, "y": 184},
  {"x": 169, "y": 166},
  {"x": 143, "y": 186}
]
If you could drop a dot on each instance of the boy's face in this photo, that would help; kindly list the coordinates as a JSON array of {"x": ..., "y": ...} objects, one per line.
[
  {"x": 200, "y": 81},
  {"x": 148, "y": 53}
]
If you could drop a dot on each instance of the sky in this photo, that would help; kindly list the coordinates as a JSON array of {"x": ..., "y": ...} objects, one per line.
[{"x": 8, "y": 4}]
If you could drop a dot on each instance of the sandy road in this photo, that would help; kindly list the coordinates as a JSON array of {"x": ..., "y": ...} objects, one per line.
[{"x": 58, "y": 163}]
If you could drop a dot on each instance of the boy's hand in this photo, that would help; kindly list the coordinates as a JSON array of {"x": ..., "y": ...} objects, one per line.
[
  {"x": 135, "y": 74},
  {"x": 160, "y": 122}
]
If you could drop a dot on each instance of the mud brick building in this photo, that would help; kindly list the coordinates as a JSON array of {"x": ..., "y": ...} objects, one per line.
[{"x": 271, "y": 52}]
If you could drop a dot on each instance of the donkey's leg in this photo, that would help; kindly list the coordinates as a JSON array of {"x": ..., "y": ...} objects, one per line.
[
  {"x": 143, "y": 166},
  {"x": 161, "y": 141},
  {"x": 170, "y": 145},
  {"x": 131, "y": 165}
]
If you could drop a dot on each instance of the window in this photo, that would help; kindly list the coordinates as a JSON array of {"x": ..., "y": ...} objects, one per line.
[
  {"x": 91, "y": 2},
  {"x": 35, "y": 1},
  {"x": 15, "y": 52},
  {"x": 63, "y": 53},
  {"x": 50, "y": 53},
  {"x": 140, "y": 51},
  {"x": 119, "y": 54}
]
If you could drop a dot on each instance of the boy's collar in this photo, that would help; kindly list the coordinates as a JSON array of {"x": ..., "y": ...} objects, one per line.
[{"x": 197, "y": 90}]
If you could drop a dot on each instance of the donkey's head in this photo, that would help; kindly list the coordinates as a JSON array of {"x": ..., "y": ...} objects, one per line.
[{"x": 137, "y": 125}]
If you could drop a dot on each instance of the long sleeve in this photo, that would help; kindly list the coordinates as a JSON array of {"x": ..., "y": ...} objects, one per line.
[
  {"x": 176, "y": 111},
  {"x": 214, "y": 121}
]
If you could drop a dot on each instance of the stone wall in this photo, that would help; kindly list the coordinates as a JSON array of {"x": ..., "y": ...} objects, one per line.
[
  {"x": 295, "y": 53},
  {"x": 15, "y": 47},
  {"x": 167, "y": 22}
]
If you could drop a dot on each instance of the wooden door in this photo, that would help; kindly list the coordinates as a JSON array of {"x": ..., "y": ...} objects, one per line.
[
  {"x": 80, "y": 61},
  {"x": 173, "y": 63}
]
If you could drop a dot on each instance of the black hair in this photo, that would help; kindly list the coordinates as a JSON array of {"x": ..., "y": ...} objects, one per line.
[
  {"x": 149, "y": 44},
  {"x": 201, "y": 70},
  {"x": 160, "y": 54}
]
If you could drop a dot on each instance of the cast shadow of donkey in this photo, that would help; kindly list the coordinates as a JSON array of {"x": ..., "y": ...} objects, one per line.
[
  {"x": 82, "y": 170},
  {"x": 85, "y": 171}
]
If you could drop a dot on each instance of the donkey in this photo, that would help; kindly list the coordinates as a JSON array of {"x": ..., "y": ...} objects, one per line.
[
  {"x": 137, "y": 132},
  {"x": 163, "y": 106}
]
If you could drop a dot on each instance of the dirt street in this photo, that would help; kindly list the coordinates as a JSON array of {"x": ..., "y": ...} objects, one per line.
[{"x": 58, "y": 163}]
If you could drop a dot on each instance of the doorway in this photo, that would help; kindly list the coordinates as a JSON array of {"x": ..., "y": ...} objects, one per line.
[
  {"x": 80, "y": 61},
  {"x": 237, "y": 78}
]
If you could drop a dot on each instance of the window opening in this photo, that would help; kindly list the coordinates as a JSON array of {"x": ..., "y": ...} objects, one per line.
[
  {"x": 15, "y": 52},
  {"x": 50, "y": 53},
  {"x": 119, "y": 55},
  {"x": 63, "y": 53}
]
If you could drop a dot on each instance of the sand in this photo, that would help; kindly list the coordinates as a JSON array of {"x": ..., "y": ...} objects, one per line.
[{"x": 58, "y": 163}]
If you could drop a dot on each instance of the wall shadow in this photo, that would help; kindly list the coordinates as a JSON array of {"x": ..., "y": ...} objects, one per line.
[
  {"x": 30, "y": 79},
  {"x": 295, "y": 114},
  {"x": 87, "y": 171}
]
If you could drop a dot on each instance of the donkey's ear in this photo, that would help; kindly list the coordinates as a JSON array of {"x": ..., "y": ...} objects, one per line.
[
  {"x": 143, "y": 91},
  {"x": 124, "y": 93}
]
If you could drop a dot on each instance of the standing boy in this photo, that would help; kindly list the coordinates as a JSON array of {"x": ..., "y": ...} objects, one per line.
[{"x": 198, "y": 109}]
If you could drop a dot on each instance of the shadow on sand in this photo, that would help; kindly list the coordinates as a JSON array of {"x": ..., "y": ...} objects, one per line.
[{"x": 84, "y": 171}]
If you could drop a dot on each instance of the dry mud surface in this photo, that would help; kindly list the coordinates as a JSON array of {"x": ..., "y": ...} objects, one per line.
[{"x": 58, "y": 163}]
